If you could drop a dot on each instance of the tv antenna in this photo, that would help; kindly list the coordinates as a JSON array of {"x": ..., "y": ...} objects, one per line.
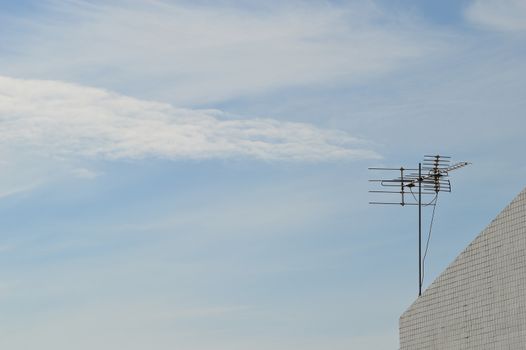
[{"x": 429, "y": 179}]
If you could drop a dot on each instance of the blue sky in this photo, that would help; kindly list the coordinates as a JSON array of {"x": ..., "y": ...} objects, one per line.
[{"x": 193, "y": 175}]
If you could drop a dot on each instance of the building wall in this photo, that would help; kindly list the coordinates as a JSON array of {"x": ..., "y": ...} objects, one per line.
[{"x": 479, "y": 301}]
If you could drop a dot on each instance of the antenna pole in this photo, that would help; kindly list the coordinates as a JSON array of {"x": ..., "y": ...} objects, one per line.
[
  {"x": 436, "y": 170},
  {"x": 419, "y": 229}
]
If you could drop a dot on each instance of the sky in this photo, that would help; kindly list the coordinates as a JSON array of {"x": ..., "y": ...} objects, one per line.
[{"x": 194, "y": 174}]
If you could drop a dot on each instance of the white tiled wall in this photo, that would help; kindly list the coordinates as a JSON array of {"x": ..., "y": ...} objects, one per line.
[{"x": 479, "y": 301}]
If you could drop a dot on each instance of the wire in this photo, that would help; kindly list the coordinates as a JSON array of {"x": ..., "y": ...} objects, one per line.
[
  {"x": 425, "y": 204},
  {"x": 428, "y": 238},
  {"x": 411, "y": 190},
  {"x": 433, "y": 202}
]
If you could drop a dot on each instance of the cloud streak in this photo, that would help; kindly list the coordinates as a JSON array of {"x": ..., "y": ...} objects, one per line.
[
  {"x": 502, "y": 15},
  {"x": 58, "y": 119},
  {"x": 198, "y": 54}
]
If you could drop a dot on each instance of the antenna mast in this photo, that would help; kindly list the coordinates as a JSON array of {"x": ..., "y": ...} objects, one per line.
[{"x": 431, "y": 178}]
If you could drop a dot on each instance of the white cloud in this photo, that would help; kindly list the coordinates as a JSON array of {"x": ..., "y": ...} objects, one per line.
[
  {"x": 503, "y": 15},
  {"x": 190, "y": 54},
  {"x": 12, "y": 191},
  {"x": 57, "y": 119},
  {"x": 86, "y": 174}
]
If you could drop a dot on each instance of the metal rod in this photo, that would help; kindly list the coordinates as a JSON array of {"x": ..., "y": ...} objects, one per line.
[
  {"x": 419, "y": 229},
  {"x": 402, "y": 185},
  {"x": 397, "y": 192},
  {"x": 393, "y": 203},
  {"x": 393, "y": 169}
]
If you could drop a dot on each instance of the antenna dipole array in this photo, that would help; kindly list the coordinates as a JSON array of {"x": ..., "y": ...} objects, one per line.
[{"x": 429, "y": 179}]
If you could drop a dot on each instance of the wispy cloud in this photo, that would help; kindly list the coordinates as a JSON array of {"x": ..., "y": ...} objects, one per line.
[
  {"x": 61, "y": 120},
  {"x": 86, "y": 174},
  {"x": 502, "y": 15},
  {"x": 193, "y": 54},
  {"x": 4, "y": 193}
]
